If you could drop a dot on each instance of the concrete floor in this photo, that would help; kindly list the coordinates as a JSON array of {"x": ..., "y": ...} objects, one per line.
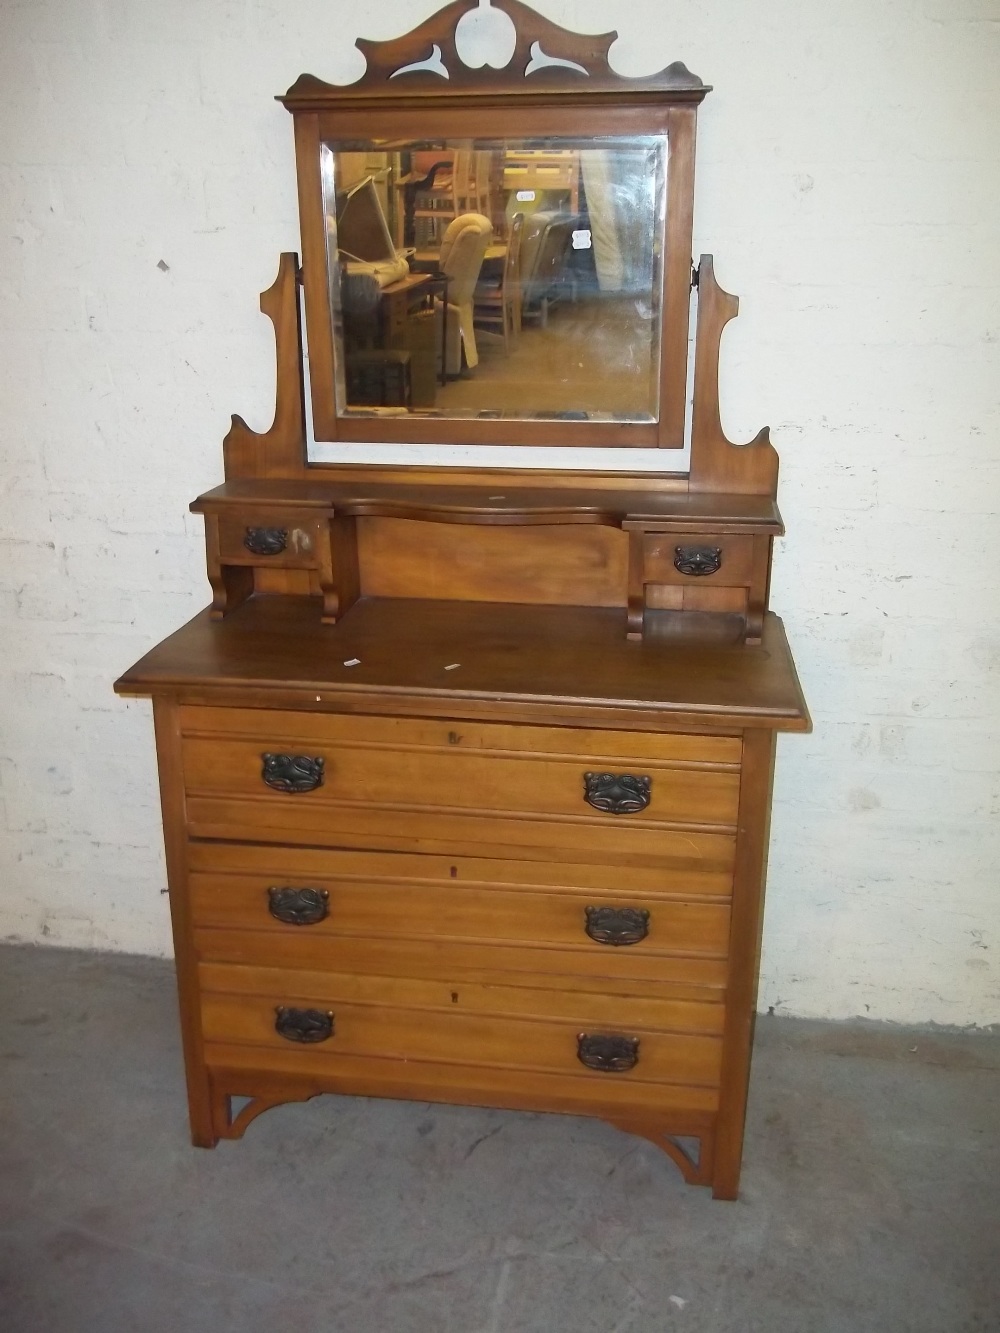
[{"x": 870, "y": 1192}]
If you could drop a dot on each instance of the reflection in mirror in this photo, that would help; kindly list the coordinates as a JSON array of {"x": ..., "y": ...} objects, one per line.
[{"x": 497, "y": 279}]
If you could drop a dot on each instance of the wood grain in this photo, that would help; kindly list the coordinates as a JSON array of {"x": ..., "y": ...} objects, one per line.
[
  {"x": 523, "y": 661},
  {"x": 685, "y": 1108},
  {"x": 442, "y": 1000},
  {"x": 542, "y": 967},
  {"x": 428, "y": 910},
  {"x": 452, "y": 1037}
]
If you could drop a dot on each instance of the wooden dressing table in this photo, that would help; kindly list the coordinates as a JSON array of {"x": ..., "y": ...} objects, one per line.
[{"x": 466, "y": 772}]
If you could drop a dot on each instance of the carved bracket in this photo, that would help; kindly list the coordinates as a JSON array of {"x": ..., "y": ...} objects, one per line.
[
  {"x": 716, "y": 463},
  {"x": 533, "y": 54},
  {"x": 281, "y": 450}
]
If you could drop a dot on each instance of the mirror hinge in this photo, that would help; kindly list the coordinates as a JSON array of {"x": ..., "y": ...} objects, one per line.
[
  {"x": 695, "y": 275},
  {"x": 298, "y": 276}
]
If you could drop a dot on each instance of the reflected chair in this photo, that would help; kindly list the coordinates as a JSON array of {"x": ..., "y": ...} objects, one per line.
[
  {"x": 451, "y": 192},
  {"x": 497, "y": 305},
  {"x": 462, "y": 251},
  {"x": 546, "y": 243}
]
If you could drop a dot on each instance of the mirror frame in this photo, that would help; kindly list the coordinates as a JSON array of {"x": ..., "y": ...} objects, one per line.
[{"x": 556, "y": 83}]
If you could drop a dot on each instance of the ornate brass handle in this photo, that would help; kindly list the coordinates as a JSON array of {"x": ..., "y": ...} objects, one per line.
[
  {"x": 305, "y": 1025},
  {"x": 697, "y": 560},
  {"x": 298, "y": 907},
  {"x": 292, "y": 772},
  {"x": 266, "y": 541},
  {"x": 607, "y": 1052},
  {"x": 616, "y": 793},
  {"x": 617, "y": 925}
]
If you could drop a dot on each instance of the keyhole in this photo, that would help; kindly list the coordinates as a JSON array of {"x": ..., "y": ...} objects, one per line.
[
  {"x": 454, "y": 872},
  {"x": 454, "y": 738},
  {"x": 454, "y": 997}
]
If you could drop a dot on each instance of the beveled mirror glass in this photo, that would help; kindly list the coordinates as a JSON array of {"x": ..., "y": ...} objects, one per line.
[{"x": 496, "y": 279}]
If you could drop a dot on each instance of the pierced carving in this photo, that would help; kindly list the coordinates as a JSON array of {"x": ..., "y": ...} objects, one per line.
[
  {"x": 527, "y": 48},
  {"x": 304, "y": 1025},
  {"x": 617, "y": 925},
  {"x": 693, "y": 1153},
  {"x": 293, "y": 773},
  {"x": 266, "y": 541},
  {"x": 607, "y": 1052},
  {"x": 697, "y": 560},
  {"x": 617, "y": 793},
  {"x": 298, "y": 907},
  {"x": 230, "y": 1125}
]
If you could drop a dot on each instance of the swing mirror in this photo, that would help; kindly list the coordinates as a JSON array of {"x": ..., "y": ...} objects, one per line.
[
  {"x": 497, "y": 247},
  {"x": 496, "y": 279}
]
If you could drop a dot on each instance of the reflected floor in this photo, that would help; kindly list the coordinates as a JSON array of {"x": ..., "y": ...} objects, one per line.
[{"x": 593, "y": 356}]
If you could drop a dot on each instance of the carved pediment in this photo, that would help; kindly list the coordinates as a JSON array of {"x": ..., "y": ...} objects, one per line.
[{"x": 533, "y": 55}]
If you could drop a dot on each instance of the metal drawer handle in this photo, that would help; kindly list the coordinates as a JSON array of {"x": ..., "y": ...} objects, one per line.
[
  {"x": 298, "y": 907},
  {"x": 292, "y": 772},
  {"x": 616, "y": 793},
  {"x": 266, "y": 541},
  {"x": 607, "y": 1052},
  {"x": 617, "y": 925},
  {"x": 697, "y": 560},
  {"x": 305, "y": 1025}
]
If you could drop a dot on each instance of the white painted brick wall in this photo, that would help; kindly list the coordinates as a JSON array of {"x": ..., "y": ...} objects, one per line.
[{"x": 849, "y": 189}]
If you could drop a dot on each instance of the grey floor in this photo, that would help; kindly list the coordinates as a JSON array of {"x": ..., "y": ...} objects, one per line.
[{"x": 870, "y": 1198}]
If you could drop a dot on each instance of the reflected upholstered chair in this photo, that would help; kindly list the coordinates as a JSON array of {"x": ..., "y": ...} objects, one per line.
[{"x": 462, "y": 251}]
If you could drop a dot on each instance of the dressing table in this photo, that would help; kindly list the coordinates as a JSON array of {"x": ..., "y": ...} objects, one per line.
[{"x": 466, "y": 772}]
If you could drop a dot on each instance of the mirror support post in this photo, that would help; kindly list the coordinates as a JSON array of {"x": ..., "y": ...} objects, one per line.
[{"x": 281, "y": 450}]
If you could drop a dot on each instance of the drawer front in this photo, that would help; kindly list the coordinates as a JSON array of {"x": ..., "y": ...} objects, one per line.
[
  {"x": 704, "y": 1015},
  {"x": 269, "y": 539},
  {"x": 701, "y": 559},
  {"x": 543, "y": 967},
  {"x": 320, "y": 776},
  {"x": 391, "y": 914},
  {"x": 687, "y": 880},
  {"x": 338, "y": 908},
  {"x": 398, "y": 733},
  {"x": 363, "y": 1026},
  {"x": 680, "y": 1108}
]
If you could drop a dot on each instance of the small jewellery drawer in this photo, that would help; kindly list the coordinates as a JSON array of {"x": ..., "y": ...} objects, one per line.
[
  {"x": 354, "y": 904},
  {"x": 416, "y": 1020},
  {"x": 269, "y": 539},
  {"x": 701, "y": 558},
  {"x": 461, "y": 782}
]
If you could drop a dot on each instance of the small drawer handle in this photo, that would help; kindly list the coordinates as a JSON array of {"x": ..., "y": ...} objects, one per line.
[
  {"x": 697, "y": 560},
  {"x": 305, "y": 1025},
  {"x": 607, "y": 1052},
  {"x": 298, "y": 907},
  {"x": 266, "y": 541},
  {"x": 617, "y": 793},
  {"x": 292, "y": 772},
  {"x": 617, "y": 925}
]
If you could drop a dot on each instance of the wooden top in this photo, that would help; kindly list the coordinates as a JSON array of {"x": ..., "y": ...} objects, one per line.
[
  {"x": 551, "y": 664},
  {"x": 506, "y": 502}
]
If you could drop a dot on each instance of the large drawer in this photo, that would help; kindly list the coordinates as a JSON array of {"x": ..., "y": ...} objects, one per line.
[
  {"x": 388, "y": 913},
  {"x": 404, "y": 782},
  {"x": 416, "y": 1021},
  {"x": 357, "y": 901}
]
